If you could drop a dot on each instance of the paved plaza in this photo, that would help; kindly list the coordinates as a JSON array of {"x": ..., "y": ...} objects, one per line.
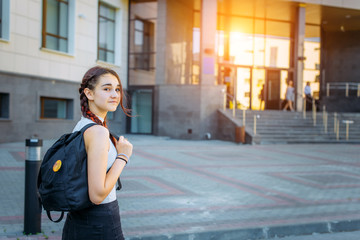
[{"x": 177, "y": 189}]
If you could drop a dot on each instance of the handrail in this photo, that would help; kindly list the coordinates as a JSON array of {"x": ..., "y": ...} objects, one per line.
[
  {"x": 232, "y": 98},
  {"x": 346, "y": 86}
]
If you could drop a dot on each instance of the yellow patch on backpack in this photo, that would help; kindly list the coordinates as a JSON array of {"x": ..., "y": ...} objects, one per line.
[{"x": 57, "y": 166}]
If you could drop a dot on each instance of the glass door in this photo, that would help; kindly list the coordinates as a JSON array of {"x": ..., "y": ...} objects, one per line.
[
  {"x": 258, "y": 89},
  {"x": 141, "y": 105},
  {"x": 243, "y": 87},
  {"x": 272, "y": 92}
]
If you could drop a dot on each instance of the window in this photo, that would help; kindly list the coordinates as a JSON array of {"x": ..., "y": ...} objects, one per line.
[
  {"x": 4, "y": 19},
  {"x": 58, "y": 25},
  {"x": 1, "y": 17},
  {"x": 143, "y": 44},
  {"x": 56, "y": 108},
  {"x": 106, "y": 33},
  {"x": 4, "y": 105}
]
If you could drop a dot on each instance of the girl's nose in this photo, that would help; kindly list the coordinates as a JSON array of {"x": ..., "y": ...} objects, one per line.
[{"x": 114, "y": 94}]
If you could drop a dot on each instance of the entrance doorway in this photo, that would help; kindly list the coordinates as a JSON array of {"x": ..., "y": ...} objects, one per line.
[
  {"x": 237, "y": 79},
  {"x": 243, "y": 87},
  {"x": 254, "y": 88},
  {"x": 272, "y": 87},
  {"x": 142, "y": 109}
]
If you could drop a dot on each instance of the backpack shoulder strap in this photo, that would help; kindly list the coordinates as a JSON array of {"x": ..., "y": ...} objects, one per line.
[{"x": 86, "y": 127}]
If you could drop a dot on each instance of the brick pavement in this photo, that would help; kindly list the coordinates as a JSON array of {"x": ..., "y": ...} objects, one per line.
[{"x": 174, "y": 189}]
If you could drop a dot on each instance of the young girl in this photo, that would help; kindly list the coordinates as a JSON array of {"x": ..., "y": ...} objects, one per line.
[{"x": 100, "y": 92}]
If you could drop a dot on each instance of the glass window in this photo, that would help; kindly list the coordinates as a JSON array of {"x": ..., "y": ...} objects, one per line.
[
  {"x": 195, "y": 71},
  {"x": 312, "y": 59},
  {"x": 56, "y": 108},
  {"x": 4, "y": 19},
  {"x": 106, "y": 38},
  {"x": 4, "y": 105},
  {"x": 55, "y": 25},
  {"x": 143, "y": 44}
]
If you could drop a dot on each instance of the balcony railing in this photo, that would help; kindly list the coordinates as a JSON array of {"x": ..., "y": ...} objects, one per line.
[{"x": 346, "y": 89}]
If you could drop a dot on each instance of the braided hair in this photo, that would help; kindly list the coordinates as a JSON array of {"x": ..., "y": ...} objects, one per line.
[{"x": 89, "y": 81}]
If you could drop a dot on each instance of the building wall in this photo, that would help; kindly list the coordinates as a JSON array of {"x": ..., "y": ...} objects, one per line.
[
  {"x": 23, "y": 53},
  {"x": 187, "y": 111},
  {"x": 179, "y": 33},
  {"x": 27, "y": 71},
  {"x": 178, "y": 110},
  {"x": 174, "y": 42},
  {"x": 24, "y": 120},
  {"x": 341, "y": 64},
  {"x": 342, "y": 53}
]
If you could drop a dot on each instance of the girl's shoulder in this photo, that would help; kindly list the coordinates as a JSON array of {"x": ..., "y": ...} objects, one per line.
[
  {"x": 82, "y": 123},
  {"x": 96, "y": 131}
]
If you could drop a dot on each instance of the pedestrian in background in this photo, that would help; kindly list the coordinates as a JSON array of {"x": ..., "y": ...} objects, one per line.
[
  {"x": 290, "y": 96},
  {"x": 261, "y": 96},
  {"x": 308, "y": 97},
  {"x": 100, "y": 92}
]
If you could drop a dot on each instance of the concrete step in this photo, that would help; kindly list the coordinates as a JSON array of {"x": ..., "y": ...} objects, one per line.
[{"x": 291, "y": 127}]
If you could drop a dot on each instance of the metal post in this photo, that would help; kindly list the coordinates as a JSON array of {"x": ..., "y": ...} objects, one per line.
[
  {"x": 326, "y": 123},
  {"x": 304, "y": 109},
  {"x": 335, "y": 119},
  {"x": 314, "y": 112},
  {"x": 244, "y": 117},
  {"x": 358, "y": 90},
  {"x": 328, "y": 89},
  {"x": 224, "y": 107},
  {"x": 234, "y": 99},
  {"x": 234, "y": 113},
  {"x": 347, "y": 90},
  {"x": 254, "y": 124},
  {"x": 337, "y": 129},
  {"x": 32, "y": 205},
  {"x": 323, "y": 115},
  {"x": 347, "y": 122}
]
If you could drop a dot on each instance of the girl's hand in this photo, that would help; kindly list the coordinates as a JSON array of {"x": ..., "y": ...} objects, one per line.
[{"x": 124, "y": 146}]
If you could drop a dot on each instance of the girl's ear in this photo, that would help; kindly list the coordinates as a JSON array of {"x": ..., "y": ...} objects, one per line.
[{"x": 89, "y": 94}]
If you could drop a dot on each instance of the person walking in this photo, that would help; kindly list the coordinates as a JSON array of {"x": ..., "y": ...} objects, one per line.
[
  {"x": 262, "y": 96},
  {"x": 100, "y": 92},
  {"x": 290, "y": 96},
  {"x": 308, "y": 97}
]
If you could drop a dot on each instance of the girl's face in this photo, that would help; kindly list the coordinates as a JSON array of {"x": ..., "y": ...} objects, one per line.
[{"x": 105, "y": 96}]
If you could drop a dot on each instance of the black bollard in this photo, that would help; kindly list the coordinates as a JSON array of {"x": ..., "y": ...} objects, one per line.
[{"x": 32, "y": 205}]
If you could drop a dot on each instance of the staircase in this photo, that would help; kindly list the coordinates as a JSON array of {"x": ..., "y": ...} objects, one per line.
[{"x": 278, "y": 127}]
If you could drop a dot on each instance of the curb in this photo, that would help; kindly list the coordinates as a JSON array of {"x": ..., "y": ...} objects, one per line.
[{"x": 262, "y": 233}]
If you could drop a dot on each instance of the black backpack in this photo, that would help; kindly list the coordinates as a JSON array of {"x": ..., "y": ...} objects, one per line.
[{"x": 62, "y": 179}]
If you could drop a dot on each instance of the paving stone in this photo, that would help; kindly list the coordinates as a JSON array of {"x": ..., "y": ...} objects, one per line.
[{"x": 177, "y": 189}]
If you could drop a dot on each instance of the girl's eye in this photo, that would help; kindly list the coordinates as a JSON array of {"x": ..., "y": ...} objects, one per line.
[{"x": 118, "y": 89}]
